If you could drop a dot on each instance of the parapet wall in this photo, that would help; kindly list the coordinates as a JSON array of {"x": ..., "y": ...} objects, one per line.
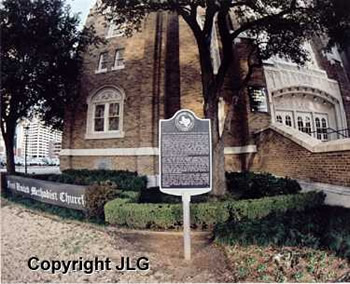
[{"x": 284, "y": 151}]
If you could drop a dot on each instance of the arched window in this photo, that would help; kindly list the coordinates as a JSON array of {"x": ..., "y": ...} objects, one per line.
[
  {"x": 300, "y": 123},
  {"x": 308, "y": 125},
  {"x": 288, "y": 120},
  {"x": 324, "y": 128},
  {"x": 279, "y": 118},
  {"x": 105, "y": 114},
  {"x": 318, "y": 128}
]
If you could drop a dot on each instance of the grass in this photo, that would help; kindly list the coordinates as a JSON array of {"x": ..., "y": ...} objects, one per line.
[
  {"x": 285, "y": 264},
  {"x": 307, "y": 246}
]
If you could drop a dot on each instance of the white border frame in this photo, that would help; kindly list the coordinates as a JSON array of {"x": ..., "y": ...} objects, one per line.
[
  {"x": 182, "y": 191},
  {"x": 90, "y": 115}
]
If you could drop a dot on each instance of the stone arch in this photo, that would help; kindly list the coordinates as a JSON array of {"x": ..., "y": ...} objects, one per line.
[
  {"x": 107, "y": 92},
  {"x": 305, "y": 105}
]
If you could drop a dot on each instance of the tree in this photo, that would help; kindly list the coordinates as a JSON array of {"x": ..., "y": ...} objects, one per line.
[
  {"x": 275, "y": 27},
  {"x": 40, "y": 60}
]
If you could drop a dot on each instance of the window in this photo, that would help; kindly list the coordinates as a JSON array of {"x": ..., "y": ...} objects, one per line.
[
  {"x": 300, "y": 123},
  {"x": 113, "y": 117},
  {"x": 105, "y": 114},
  {"x": 102, "y": 63},
  {"x": 104, "y": 123},
  {"x": 258, "y": 100},
  {"x": 99, "y": 117},
  {"x": 119, "y": 59},
  {"x": 324, "y": 129},
  {"x": 308, "y": 125},
  {"x": 318, "y": 128},
  {"x": 279, "y": 118},
  {"x": 288, "y": 120},
  {"x": 114, "y": 30}
]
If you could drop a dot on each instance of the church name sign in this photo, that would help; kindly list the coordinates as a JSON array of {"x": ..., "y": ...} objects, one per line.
[{"x": 64, "y": 195}]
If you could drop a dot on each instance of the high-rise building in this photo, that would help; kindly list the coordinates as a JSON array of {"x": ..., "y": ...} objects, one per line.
[
  {"x": 2, "y": 146},
  {"x": 40, "y": 138}
]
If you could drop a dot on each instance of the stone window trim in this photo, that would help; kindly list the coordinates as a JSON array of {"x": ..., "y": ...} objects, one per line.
[
  {"x": 119, "y": 62},
  {"x": 102, "y": 60},
  {"x": 106, "y": 96}
]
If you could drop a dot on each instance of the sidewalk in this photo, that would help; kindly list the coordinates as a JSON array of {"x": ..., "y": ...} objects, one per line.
[{"x": 335, "y": 194}]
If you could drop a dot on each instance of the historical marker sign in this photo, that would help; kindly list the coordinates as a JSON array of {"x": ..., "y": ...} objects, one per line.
[
  {"x": 185, "y": 161},
  {"x": 185, "y": 154}
]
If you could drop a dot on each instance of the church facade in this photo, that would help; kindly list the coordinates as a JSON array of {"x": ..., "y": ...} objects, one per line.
[{"x": 128, "y": 84}]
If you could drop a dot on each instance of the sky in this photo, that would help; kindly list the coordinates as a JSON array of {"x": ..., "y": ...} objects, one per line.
[{"x": 82, "y": 7}]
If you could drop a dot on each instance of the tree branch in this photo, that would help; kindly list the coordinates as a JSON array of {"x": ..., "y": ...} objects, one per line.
[
  {"x": 190, "y": 19},
  {"x": 226, "y": 48},
  {"x": 209, "y": 18},
  {"x": 264, "y": 20}
]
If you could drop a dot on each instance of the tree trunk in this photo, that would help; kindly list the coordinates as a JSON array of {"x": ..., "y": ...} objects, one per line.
[
  {"x": 9, "y": 137},
  {"x": 211, "y": 99},
  {"x": 219, "y": 179}
]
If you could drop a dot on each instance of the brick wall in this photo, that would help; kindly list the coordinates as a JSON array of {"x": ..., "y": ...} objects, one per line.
[
  {"x": 244, "y": 121},
  {"x": 336, "y": 72},
  {"x": 191, "y": 83},
  {"x": 283, "y": 157},
  {"x": 161, "y": 75}
]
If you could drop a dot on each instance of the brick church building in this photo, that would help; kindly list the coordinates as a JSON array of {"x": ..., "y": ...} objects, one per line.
[{"x": 289, "y": 121}]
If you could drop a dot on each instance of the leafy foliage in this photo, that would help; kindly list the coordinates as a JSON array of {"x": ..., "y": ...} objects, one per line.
[
  {"x": 275, "y": 27},
  {"x": 335, "y": 18},
  {"x": 128, "y": 213},
  {"x": 322, "y": 227},
  {"x": 249, "y": 185},
  {"x": 124, "y": 180},
  {"x": 96, "y": 196},
  {"x": 41, "y": 56},
  {"x": 245, "y": 185},
  {"x": 154, "y": 195}
]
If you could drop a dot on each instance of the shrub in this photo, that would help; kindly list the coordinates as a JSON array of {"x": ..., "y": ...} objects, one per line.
[
  {"x": 154, "y": 195},
  {"x": 320, "y": 227},
  {"x": 258, "y": 208},
  {"x": 251, "y": 185},
  {"x": 133, "y": 196},
  {"x": 124, "y": 179},
  {"x": 96, "y": 196},
  {"x": 203, "y": 215}
]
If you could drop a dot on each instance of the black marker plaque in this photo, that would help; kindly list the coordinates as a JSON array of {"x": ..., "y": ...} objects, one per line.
[{"x": 185, "y": 152}]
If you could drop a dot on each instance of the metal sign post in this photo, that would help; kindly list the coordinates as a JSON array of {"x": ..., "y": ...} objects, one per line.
[
  {"x": 186, "y": 199},
  {"x": 185, "y": 161}
]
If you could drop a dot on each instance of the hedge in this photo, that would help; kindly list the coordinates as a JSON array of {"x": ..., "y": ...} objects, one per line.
[
  {"x": 250, "y": 185},
  {"x": 125, "y": 212},
  {"x": 323, "y": 227},
  {"x": 125, "y": 180}
]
